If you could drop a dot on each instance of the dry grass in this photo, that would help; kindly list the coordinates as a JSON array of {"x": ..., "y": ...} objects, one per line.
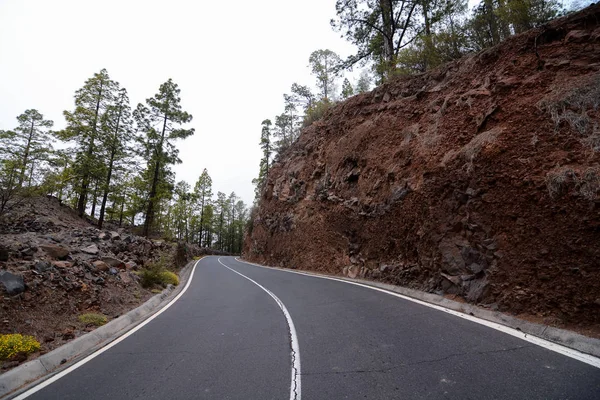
[
  {"x": 558, "y": 179},
  {"x": 589, "y": 184},
  {"x": 585, "y": 184},
  {"x": 573, "y": 106},
  {"x": 93, "y": 319}
]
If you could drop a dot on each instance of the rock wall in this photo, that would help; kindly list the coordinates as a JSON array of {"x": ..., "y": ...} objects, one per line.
[{"x": 479, "y": 179}]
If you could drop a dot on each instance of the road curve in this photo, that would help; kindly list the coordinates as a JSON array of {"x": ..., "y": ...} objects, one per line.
[{"x": 229, "y": 337}]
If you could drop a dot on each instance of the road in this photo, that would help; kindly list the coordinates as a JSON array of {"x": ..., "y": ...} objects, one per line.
[{"x": 245, "y": 332}]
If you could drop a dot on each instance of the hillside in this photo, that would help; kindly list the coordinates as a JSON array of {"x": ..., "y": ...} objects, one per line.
[
  {"x": 479, "y": 180},
  {"x": 55, "y": 266}
]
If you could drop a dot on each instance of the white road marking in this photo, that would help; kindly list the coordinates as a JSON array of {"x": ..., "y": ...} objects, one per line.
[
  {"x": 295, "y": 387},
  {"x": 557, "y": 348},
  {"x": 111, "y": 344}
]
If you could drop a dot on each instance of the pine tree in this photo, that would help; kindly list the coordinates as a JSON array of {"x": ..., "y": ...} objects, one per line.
[
  {"x": 324, "y": 64},
  {"x": 364, "y": 82},
  {"x": 31, "y": 142},
  {"x": 265, "y": 145},
  {"x": 220, "y": 220},
  {"x": 117, "y": 136},
  {"x": 379, "y": 29},
  {"x": 203, "y": 192},
  {"x": 347, "y": 89},
  {"x": 158, "y": 120},
  {"x": 83, "y": 127}
]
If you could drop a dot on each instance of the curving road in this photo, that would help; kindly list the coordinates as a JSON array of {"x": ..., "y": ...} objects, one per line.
[{"x": 245, "y": 332}]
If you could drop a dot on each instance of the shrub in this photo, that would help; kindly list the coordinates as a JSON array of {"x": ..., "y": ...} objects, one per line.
[
  {"x": 11, "y": 345},
  {"x": 157, "y": 274},
  {"x": 316, "y": 112},
  {"x": 93, "y": 319},
  {"x": 169, "y": 277}
]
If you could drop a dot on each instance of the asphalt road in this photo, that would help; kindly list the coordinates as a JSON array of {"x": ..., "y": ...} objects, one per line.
[{"x": 228, "y": 338}]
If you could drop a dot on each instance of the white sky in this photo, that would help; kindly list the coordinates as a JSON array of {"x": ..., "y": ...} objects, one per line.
[{"x": 232, "y": 60}]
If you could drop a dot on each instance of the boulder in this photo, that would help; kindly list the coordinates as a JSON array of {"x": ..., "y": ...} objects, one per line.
[
  {"x": 28, "y": 252},
  {"x": 353, "y": 271},
  {"x": 12, "y": 283},
  {"x": 42, "y": 266},
  {"x": 115, "y": 235},
  {"x": 114, "y": 262},
  {"x": 125, "y": 277},
  {"x": 92, "y": 249},
  {"x": 56, "y": 252},
  {"x": 62, "y": 264},
  {"x": 452, "y": 259},
  {"x": 100, "y": 265}
]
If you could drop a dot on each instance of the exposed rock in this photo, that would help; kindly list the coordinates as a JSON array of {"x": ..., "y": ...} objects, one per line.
[
  {"x": 353, "y": 271},
  {"x": 456, "y": 174},
  {"x": 125, "y": 277},
  {"x": 56, "y": 252},
  {"x": 4, "y": 254},
  {"x": 113, "y": 262},
  {"x": 92, "y": 249},
  {"x": 28, "y": 252},
  {"x": 13, "y": 284},
  {"x": 100, "y": 265},
  {"x": 452, "y": 259},
  {"x": 62, "y": 264},
  {"x": 42, "y": 266}
]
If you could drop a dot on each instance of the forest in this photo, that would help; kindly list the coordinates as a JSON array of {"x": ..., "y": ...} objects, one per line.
[{"x": 113, "y": 165}]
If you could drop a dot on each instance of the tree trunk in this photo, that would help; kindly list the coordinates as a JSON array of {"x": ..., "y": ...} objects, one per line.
[
  {"x": 86, "y": 173},
  {"x": 387, "y": 16},
  {"x": 121, "y": 212},
  {"x": 429, "y": 49},
  {"x": 109, "y": 173},
  {"x": 201, "y": 220},
  {"x": 150, "y": 210},
  {"x": 94, "y": 200},
  {"x": 106, "y": 189},
  {"x": 26, "y": 155}
]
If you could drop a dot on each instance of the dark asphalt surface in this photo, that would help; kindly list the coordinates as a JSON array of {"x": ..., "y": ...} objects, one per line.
[{"x": 226, "y": 338}]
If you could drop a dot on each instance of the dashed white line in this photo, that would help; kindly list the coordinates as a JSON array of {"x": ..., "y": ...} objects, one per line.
[{"x": 295, "y": 386}]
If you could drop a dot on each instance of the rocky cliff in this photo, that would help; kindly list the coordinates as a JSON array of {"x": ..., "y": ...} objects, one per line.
[{"x": 480, "y": 179}]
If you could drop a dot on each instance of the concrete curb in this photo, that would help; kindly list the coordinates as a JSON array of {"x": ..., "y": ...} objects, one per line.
[
  {"x": 563, "y": 337},
  {"x": 25, "y": 376}
]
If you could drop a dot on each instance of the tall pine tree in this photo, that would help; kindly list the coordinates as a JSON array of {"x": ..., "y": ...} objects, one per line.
[
  {"x": 83, "y": 127},
  {"x": 159, "y": 120}
]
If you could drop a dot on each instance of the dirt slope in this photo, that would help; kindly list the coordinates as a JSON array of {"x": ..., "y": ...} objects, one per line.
[
  {"x": 480, "y": 179},
  {"x": 55, "y": 266}
]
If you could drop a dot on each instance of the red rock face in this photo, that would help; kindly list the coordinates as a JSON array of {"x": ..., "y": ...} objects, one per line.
[{"x": 480, "y": 179}]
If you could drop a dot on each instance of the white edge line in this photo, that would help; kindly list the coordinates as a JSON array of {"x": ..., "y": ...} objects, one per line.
[
  {"x": 108, "y": 346},
  {"x": 555, "y": 347},
  {"x": 295, "y": 386}
]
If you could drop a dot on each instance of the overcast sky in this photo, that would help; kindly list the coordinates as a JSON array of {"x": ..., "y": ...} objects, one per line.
[{"x": 232, "y": 60}]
